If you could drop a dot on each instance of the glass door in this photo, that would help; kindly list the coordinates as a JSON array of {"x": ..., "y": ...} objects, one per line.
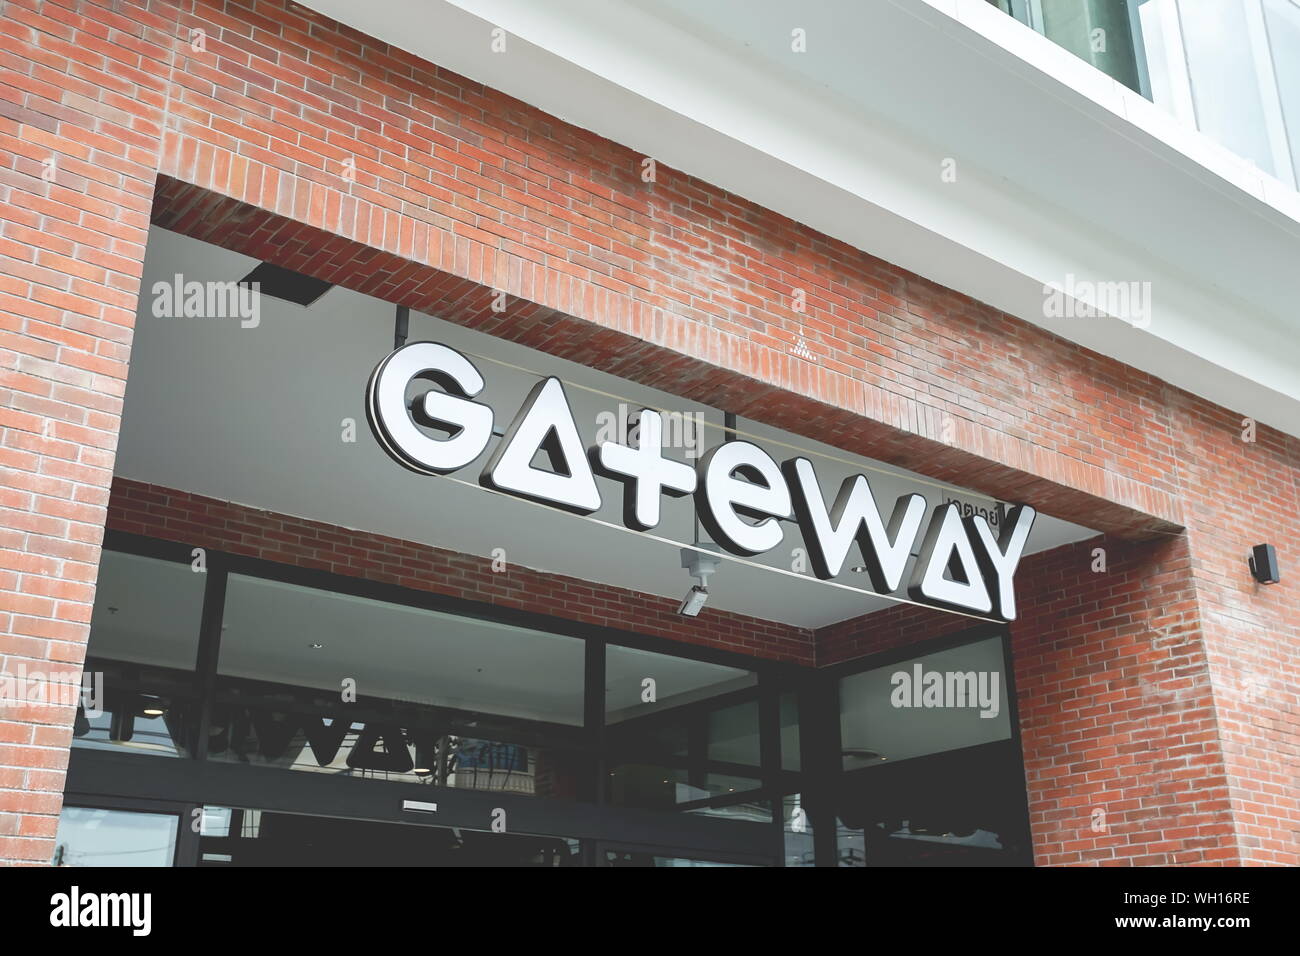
[{"x": 99, "y": 831}]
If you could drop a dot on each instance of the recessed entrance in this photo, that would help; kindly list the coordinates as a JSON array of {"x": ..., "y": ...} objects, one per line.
[{"x": 295, "y": 641}]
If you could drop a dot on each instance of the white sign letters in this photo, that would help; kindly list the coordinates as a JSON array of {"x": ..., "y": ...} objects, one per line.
[{"x": 742, "y": 495}]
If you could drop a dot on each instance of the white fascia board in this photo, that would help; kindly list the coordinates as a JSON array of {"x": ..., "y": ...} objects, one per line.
[
  {"x": 1056, "y": 63},
  {"x": 636, "y": 79}
]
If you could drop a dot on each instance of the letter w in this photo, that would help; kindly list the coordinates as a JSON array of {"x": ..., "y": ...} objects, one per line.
[{"x": 854, "y": 517}]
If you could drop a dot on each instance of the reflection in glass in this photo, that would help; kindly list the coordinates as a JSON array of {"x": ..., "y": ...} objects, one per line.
[
  {"x": 160, "y": 721},
  {"x": 144, "y": 638},
  {"x": 790, "y": 753},
  {"x": 647, "y": 858},
  {"x": 749, "y": 810},
  {"x": 678, "y": 731},
  {"x": 239, "y": 837},
  {"x": 1283, "y": 19},
  {"x": 1225, "y": 83},
  {"x": 941, "y": 701},
  {"x": 88, "y": 836},
  {"x": 323, "y": 682},
  {"x": 733, "y": 734},
  {"x": 798, "y": 832},
  {"x": 958, "y": 808},
  {"x": 1225, "y": 67},
  {"x": 1096, "y": 31}
]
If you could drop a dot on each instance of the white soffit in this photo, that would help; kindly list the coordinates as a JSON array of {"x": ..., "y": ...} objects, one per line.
[{"x": 1056, "y": 177}]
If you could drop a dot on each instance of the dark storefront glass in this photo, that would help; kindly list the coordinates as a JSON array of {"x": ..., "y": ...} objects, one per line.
[
  {"x": 323, "y": 682},
  {"x": 897, "y": 712},
  {"x": 679, "y": 732},
  {"x": 139, "y": 676},
  {"x": 797, "y": 830},
  {"x": 239, "y": 837},
  {"x": 932, "y": 773},
  {"x": 646, "y": 858},
  {"x": 332, "y": 683},
  {"x": 962, "y": 808},
  {"x": 791, "y": 756}
]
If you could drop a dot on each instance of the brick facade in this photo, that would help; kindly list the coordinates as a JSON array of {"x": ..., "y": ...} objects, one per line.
[
  {"x": 116, "y": 111},
  {"x": 1116, "y": 703},
  {"x": 202, "y": 522}
]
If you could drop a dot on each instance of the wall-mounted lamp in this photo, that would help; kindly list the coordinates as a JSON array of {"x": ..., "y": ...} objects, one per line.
[{"x": 1263, "y": 564}]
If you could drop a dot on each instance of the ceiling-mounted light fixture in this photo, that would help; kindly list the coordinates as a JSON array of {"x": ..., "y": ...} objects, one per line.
[
  {"x": 426, "y": 753},
  {"x": 281, "y": 283}
]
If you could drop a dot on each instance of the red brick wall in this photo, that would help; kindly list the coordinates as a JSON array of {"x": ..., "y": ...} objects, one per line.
[
  {"x": 458, "y": 185},
  {"x": 1123, "y": 761},
  {"x": 82, "y": 90},
  {"x": 461, "y": 190},
  {"x": 1242, "y": 494},
  {"x": 202, "y": 522}
]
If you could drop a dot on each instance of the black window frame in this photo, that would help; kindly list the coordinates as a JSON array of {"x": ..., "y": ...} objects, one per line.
[
  {"x": 192, "y": 780},
  {"x": 828, "y": 775},
  {"x": 187, "y": 837}
]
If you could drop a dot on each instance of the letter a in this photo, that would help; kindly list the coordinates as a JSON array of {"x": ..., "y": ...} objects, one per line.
[
  {"x": 945, "y": 538},
  {"x": 544, "y": 423}
]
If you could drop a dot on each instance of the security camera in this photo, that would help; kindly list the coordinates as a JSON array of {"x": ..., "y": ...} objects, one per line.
[
  {"x": 699, "y": 564},
  {"x": 694, "y": 601}
]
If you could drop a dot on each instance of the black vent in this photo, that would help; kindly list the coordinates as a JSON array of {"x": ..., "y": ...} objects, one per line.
[{"x": 286, "y": 284}]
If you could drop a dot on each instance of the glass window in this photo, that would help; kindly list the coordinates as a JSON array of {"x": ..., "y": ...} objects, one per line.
[
  {"x": 943, "y": 701},
  {"x": 238, "y": 837},
  {"x": 678, "y": 731},
  {"x": 790, "y": 754},
  {"x": 959, "y": 808},
  {"x": 932, "y": 774},
  {"x": 649, "y": 858},
  {"x": 1283, "y": 19},
  {"x": 140, "y": 662},
  {"x": 749, "y": 810},
  {"x": 733, "y": 734},
  {"x": 798, "y": 832},
  {"x": 1097, "y": 31},
  {"x": 1221, "y": 62},
  {"x": 89, "y": 836},
  {"x": 325, "y": 682}
]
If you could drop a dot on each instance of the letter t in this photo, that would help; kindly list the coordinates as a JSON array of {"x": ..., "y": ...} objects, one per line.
[{"x": 645, "y": 472}]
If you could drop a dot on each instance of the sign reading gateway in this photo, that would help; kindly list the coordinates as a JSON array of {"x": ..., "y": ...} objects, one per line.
[{"x": 740, "y": 491}]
